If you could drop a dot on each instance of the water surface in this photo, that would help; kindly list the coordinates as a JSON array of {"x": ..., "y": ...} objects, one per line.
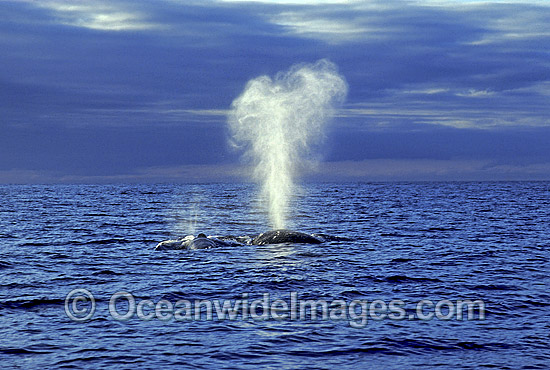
[{"x": 410, "y": 241}]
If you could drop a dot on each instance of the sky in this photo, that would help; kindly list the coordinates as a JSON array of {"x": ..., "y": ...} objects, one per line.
[{"x": 138, "y": 91}]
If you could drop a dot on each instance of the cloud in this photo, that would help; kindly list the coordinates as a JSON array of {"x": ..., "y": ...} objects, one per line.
[
  {"x": 292, "y": 2},
  {"x": 305, "y": 24},
  {"x": 166, "y": 174},
  {"x": 340, "y": 171},
  {"x": 157, "y": 174},
  {"x": 429, "y": 170},
  {"x": 97, "y": 15},
  {"x": 472, "y": 93},
  {"x": 512, "y": 23}
]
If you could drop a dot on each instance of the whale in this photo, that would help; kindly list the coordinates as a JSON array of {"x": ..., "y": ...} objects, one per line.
[
  {"x": 201, "y": 241},
  {"x": 281, "y": 236},
  {"x": 171, "y": 244}
]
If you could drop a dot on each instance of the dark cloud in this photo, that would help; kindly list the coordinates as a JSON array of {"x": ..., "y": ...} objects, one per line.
[{"x": 104, "y": 150}]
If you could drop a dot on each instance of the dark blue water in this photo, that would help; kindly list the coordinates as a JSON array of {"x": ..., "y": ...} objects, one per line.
[{"x": 411, "y": 241}]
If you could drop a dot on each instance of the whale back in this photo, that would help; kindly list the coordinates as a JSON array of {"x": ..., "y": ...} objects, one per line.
[
  {"x": 201, "y": 243},
  {"x": 189, "y": 242},
  {"x": 285, "y": 236}
]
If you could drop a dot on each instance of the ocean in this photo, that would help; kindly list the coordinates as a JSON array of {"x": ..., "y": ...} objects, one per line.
[{"x": 423, "y": 275}]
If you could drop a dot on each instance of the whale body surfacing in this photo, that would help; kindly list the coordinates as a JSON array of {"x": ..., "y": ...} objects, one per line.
[
  {"x": 191, "y": 242},
  {"x": 280, "y": 236},
  {"x": 285, "y": 236}
]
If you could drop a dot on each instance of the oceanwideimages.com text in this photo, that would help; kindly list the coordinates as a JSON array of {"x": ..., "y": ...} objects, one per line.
[{"x": 80, "y": 305}]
